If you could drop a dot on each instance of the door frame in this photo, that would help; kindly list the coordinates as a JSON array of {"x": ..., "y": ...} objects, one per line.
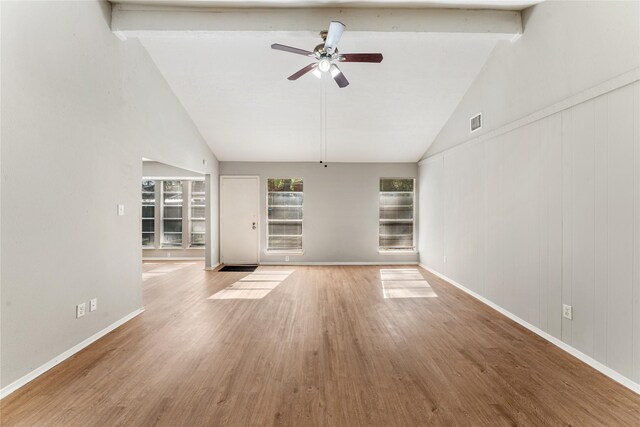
[{"x": 258, "y": 228}]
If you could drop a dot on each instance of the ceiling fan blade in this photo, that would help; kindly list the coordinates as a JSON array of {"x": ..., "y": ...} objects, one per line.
[
  {"x": 338, "y": 76},
  {"x": 302, "y": 72},
  {"x": 336, "y": 29},
  {"x": 290, "y": 49},
  {"x": 360, "y": 57}
]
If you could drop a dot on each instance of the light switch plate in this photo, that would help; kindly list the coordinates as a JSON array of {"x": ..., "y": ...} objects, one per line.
[
  {"x": 93, "y": 304},
  {"x": 120, "y": 210},
  {"x": 567, "y": 311},
  {"x": 80, "y": 310}
]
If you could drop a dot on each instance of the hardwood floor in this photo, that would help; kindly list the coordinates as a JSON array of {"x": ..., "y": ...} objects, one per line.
[{"x": 323, "y": 348}]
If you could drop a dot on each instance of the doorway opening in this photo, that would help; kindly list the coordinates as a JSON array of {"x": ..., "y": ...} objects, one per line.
[{"x": 175, "y": 213}]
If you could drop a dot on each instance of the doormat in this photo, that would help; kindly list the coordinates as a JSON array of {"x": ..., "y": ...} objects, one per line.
[{"x": 251, "y": 267}]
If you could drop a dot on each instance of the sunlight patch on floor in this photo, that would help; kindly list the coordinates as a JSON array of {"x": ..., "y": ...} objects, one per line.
[
  {"x": 405, "y": 283},
  {"x": 256, "y": 285},
  {"x": 163, "y": 269}
]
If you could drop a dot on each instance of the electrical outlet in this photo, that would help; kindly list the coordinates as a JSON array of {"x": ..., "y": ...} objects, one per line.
[
  {"x": 286, "y": 258},
  {"x": 567, "y": 311},
  {"x": 120, "y": 210},
  {"x": 93, "y": 304},
  {"x": 80, "y": 309},
  {"x": 445, "y": 259}
]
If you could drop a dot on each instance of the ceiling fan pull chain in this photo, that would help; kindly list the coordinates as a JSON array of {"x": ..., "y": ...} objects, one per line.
[{"x": 324, "y": 121}]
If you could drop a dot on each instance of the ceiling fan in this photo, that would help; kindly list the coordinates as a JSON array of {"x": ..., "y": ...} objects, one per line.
[{"x": 326, "y": 54}]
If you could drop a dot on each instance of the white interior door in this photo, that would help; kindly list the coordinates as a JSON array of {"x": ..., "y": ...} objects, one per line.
[{"x": 239, "y": 206}]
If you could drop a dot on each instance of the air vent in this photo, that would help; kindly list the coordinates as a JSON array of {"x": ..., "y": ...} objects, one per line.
[{"x": 476, "y": 122}]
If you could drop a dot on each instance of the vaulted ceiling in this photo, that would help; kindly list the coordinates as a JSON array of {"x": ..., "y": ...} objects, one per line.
[{"x": 235, "y": 87}]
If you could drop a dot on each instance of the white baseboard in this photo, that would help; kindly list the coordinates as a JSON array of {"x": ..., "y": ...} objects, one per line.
[
  {"x": 173, "y": 258},
  {"x": 614, "y": 375},
  {"x": 5, "y": 391},
  {"x": 340, "y": 263}
]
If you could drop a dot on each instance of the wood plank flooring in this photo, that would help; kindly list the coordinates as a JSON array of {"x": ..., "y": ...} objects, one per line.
[{"x": 323, "y": 348}]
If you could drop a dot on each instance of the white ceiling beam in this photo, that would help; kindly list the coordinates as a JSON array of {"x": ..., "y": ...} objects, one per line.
[{"x": 153, "y": 21}]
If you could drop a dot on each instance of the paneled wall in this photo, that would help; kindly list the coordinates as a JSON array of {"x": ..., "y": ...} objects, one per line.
[
  {"x": 545, "y": 214},
  {"x": 600, "y": 148}
]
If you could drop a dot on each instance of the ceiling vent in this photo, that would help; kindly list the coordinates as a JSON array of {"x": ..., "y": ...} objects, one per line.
[{"x": 476, "y": 122}]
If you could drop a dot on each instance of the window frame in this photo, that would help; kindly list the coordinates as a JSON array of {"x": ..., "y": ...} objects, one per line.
[
  {"x": 413, "y": 249},
  {"x": 162, "y": 215},
  {"x": 190, "y": 218},
  {"x": 155, "y": 214},
  {"x": 267, "y": 220}
]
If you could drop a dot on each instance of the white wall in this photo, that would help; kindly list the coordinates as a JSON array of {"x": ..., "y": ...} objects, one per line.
[
  {"x": 152, "y": 169},
  {"x": 340, "y": 208},
  {"x": 567, "y": 47},
  {"x": 80, "y": 109},
  {"x": 493, "y": 208},
  {"x": 601, "y": 228},
  {"x": 546, "y": 209},
  {"x": 546, "y": 214}
]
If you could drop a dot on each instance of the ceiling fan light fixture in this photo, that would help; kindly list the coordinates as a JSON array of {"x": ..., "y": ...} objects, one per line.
[
  {"x": 324, "y": 65},
  {"x": 326, "y": 53}
]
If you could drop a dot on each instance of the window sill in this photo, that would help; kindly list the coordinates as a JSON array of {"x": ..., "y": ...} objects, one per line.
[
  {"x": 151, "y": 248},
  {"x": 283, "y": 252},
  {"x": 398, "y": 252}
]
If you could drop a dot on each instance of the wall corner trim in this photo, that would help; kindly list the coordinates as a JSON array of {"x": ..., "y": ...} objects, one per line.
[
  {"x": 5, "y": 391},
  {"x": 614, "y": 375}
]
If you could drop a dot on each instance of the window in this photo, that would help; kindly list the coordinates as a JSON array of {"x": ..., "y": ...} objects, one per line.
[
  {"x": 284, "y": 214},
  {"x": 173, "y": 214},
  {"x": 396, "y": 214},
  {"x": 197, "y": 222},
  {"x": 148, "y": 213}
]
